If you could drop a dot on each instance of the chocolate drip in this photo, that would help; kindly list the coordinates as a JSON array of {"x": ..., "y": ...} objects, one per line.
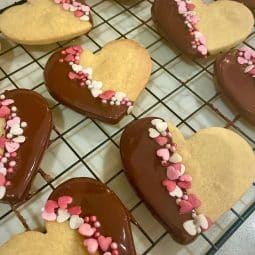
[
  {"x": 33, "y": 109},
  {"x": 172, "y": 27},
  {"x": 97, "y": 199},
  {"x": 145, "y": 172},
  {"x": 235, "y": 84},
  {"x": 70, "y": 93}
]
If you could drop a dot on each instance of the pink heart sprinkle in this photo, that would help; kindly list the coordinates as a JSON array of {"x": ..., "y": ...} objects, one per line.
[
  {"x": 76, "y": 4},
  {"x": 76, "y": 210},
  {"x": 66, "y": 6},
  {"x": 72, "y": 75},
  {"x": 78, "y": 13},
  {"x": 104, "y": 242},
  {"x": 241, "y": 60},
  {"x": 182, "y": 9},
  {"x": 7, "y": 102},
  {"x": 2, "y": 179},
  {"x": 108, "y": 94},
  {"x": 64, "y": 201},
  {"x": 196, "y": 203},
  {"x": 85, "y": 8},
  {"x": 78, "y": 48},
  {"x": 202, "y": 49},
  {"x": 202, "y": 40},
  {"x": 4, "y": 111},
  {"x": 247, "y": 55},
  {"x": 86, "y": 230},
  {"x": 50, "y": 206},
  {"x": 190, "y": 7},
  {"x": 69, "y": 58},
  {"x": 172, "y": 173},
  {"x": 252, "y": 71},
  {"x": 194, "y": 19},
  {"x": 161, "y": 140},
  {"x": 14, "y": 121},
  {"x": 184, "y": 185},
  {"x": 91, "y": 244},
  {"x": 185, "y": 207},
  {"x": 3, "y": 140},
  {"x": 186, "y": 178},
  {"x": 170, "y": 185},
  {"x": 49, "y": 216},
  {"x": 163, "y": 153},
  {"x": 57, "y": 1},
  {"x": 11, "y": 146}
]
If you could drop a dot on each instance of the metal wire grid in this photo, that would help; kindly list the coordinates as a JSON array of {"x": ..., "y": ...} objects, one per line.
[{"x": 214, "y": 246}]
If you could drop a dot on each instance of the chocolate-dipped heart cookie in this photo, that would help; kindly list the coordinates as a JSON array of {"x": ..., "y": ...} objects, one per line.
[
  {"x": 46, "y": 21},
  {"x": 183, "y": 181},
  {"x": 83, "y": 217},
  {"x": 235, "y": 75},
  {"x": 103, "y": 85},
  {"x": 25, "y": 127},
  {"x": 199, "y": 29}
]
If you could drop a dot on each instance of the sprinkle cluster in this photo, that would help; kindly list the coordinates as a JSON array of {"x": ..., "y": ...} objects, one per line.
[
  {"x": 79, "y": 10},
  {"x": 246, "y": 57},
  {"x": 84, "y": 76},
  {"x": 10, "y": 141},
  {"x": 187, "y": 10},
  {"x": 63, "y": 210},
  {"x": 177, "y": 182}
]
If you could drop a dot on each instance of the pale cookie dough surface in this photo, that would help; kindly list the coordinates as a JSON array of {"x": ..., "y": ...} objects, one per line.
[
  {"x": 224, "y": 23},
  {"x": 222, "y": 166},
  {"x": 2, "y": 126},
  {"x": 59, "y": 240},
  {"x": 122, "y": 65},
  {"x": 41, "y": 22}
]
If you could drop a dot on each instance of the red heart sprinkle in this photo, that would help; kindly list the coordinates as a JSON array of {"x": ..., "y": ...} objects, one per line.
[
  {"x": 161, "y": 140},
  {"x": 196, "y": 203},
  {"x": 78, "y": 13},
  {"x": 108, "y": 94},
  {"x": 72, "y": 75},
  {"x": 190, "y": 7},
  {"x": 2, "y": 179},
  {"x": 78, "y": 48},
  {"x": 50, "y": 206},
  {"x": 252, "y": 71},
  {"x": 64, "y": 201},
  {"x": 3, "y": 140},
  {"x": 76, "y": 210},
  {"x": 4, "y": 111},
  {"x": 70, "y": 50},
  {"x": 170, "y": 185},
  {"x": 184, "y": 185},
  {"x": 185, "y": 207},
  {"x": 172, "y": 173},
  {"x": 69, "y": 58},
  {"x": 186, "y": 178}
]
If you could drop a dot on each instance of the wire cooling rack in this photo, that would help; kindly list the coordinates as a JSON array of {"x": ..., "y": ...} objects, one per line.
[{"x": 180, "y": 90}]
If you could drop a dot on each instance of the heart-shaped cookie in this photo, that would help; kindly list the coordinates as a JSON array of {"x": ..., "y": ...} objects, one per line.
[
  {"x": 83, "y": 217},
  {"x": 235, "y": 75},
  {"x": 183, "y": 182},
  {"x": 199, "y": 29},
  {"x": 103, "y": 85},
  {"x": 46, "y": 21},
  {"x": 25, "y": 127}
]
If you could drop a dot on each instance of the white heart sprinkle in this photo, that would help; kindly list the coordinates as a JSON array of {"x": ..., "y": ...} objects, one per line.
[
  {"x": 97, "y": 84},
  {"x": 16, "y": 130},
  {"x": 154, "y": 122},
  {"x": 202, "y": 221},
  {"x": 175, "y": 158},
  {"x": 73, "y": 8},
  {"x": 182, "y": 171},
  {"x": 88, "y": 70},
  {"x": 120, "y": 95},
  {"x": 153, "y": 133},
  {"x": 3, "y": 171},
  {"x": 130, "y": 109},
  {"x": 19, "y": 139},
  {"x": 77, "y": 68},
  {"x": 63, "y": 215},
  {"x": 190, "y": 227},
  {"x": 84, "y": 18},
  {"x": 161, "y": 126},
  {"x": 248, "y": 68},
  {"x": 75, "y": 222},
  {"x": 96, "y": 92},
  {"x": 2, "y": 191},
  {"x": 177, "y": 192}
]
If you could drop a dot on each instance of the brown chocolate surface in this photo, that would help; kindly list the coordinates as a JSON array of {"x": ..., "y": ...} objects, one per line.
[
  {"x": 144, "y": 170},
  {"x": 97, "y": 199},
  {"x": 33, "y": 109},
  {"x": 70, "y": 93},
  {"x": 235, "y": 84},
  {"x": 172, "y": 27}
]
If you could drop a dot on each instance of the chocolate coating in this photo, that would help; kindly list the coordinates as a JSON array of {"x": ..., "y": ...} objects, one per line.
[
  {"x": 70, "y": 93},
  {"x": 144, "y": 170},
  {"x": 97, "y": 199},
  {"x": 172, "y": 27},
  {"x": 33, "y": 109},
  {"x": 235, "y": 84}
]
